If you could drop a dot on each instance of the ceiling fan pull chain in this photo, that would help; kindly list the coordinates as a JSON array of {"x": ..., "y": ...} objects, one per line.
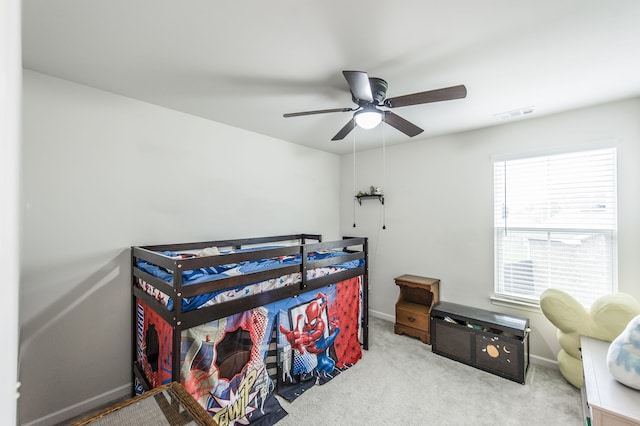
[
  {"x": 354, "y": 179},
  {"x": 384, "y": 175}
]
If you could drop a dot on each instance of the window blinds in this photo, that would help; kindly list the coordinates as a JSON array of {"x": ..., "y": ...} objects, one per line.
[{"x": 555, "y": 221}]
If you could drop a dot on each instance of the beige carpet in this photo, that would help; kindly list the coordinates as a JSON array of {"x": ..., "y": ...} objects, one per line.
[{"x": 399, "y": 381}]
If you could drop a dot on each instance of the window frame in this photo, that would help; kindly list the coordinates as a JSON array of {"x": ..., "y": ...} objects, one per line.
[{"x": 518, "y": 298}]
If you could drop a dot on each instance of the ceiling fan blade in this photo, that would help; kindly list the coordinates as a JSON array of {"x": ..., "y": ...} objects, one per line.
[
  {"x": 445, "y": 94},
  {"x": 319, "y": 111},
  {"x": 401, "y": 124},
  {"x": 359, "y": 85},
  {"x": 351, "y": 124}
]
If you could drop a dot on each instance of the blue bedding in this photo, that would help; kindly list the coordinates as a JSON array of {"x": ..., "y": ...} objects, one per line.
[{"x": 233, "y": 269}]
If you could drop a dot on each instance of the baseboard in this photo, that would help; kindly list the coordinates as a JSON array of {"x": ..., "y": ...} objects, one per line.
[
  {"x": 80, "y": 408},
  {"x": 382, "y": 315},
  {"x": 543, "y": 362}
]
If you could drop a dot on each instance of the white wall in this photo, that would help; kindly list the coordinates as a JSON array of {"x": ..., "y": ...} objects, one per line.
[
  {"x": 103, "y": 172},
  {"x": 10, "y": 78},
  {"x": 439, "y": 206}
]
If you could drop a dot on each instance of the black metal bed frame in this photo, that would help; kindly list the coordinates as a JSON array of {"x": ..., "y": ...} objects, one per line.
[{"x": 180, "y": 320}]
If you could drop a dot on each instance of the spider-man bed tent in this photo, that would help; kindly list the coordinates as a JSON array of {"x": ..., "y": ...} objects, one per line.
[
  {"x": 258, "y": 316},
  {"x": 318, "y": 336},
  {"x": 225, "y": 364}
]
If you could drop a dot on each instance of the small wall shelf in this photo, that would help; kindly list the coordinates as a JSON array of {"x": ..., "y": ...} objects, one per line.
[{"x": 378, "y": 196}]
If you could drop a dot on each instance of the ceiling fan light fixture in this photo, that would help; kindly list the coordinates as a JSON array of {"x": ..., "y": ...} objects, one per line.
[
  {"x": 368, "y": 93},
  {"x": 367, "y": 118}
]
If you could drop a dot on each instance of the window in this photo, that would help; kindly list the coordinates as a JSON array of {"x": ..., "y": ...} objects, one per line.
[{"x": 555, "y": 222}]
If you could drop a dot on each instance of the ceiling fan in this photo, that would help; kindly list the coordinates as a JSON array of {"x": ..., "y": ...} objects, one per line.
[{"x": 369, "y": 93}]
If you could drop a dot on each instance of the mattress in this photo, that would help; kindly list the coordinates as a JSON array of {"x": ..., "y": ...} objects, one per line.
[{"x": 234, "y": 269}]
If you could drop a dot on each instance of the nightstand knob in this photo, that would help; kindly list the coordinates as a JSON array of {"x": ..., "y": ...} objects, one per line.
[{"x": 412, "y": 319}]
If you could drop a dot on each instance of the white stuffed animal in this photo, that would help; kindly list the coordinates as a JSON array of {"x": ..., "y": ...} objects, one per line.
[{"x": 623, "y": 357}]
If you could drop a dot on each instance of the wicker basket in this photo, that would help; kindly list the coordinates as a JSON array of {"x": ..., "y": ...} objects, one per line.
[{"x": 170, "y": 404}]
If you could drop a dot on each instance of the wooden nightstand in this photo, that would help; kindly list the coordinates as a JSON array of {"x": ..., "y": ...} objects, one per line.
[{"x": 413, "y": 308}]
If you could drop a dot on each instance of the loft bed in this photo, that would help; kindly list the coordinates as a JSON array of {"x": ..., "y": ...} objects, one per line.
[{"x": 236, "y": 321}]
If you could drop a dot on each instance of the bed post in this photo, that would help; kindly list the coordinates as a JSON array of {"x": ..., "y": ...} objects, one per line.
[
  {"x": 304, "y": 260},
  {"x": 365, "y": 295},
  {"x": 134, "y": 317},
  {"x": 176, "y": 337}
]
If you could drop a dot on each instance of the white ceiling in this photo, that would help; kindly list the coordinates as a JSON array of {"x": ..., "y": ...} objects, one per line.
[{"x": 245, "y": 63}]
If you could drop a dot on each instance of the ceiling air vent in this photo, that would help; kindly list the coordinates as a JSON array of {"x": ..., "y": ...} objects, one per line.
[{"x": 515, "y": 113}]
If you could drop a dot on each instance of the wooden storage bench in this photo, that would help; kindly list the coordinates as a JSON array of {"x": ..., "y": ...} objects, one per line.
[{"x": 487, "y": 340}]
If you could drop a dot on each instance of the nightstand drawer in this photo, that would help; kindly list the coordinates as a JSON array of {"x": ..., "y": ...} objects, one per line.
[{"x": 412, "y": 315}]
